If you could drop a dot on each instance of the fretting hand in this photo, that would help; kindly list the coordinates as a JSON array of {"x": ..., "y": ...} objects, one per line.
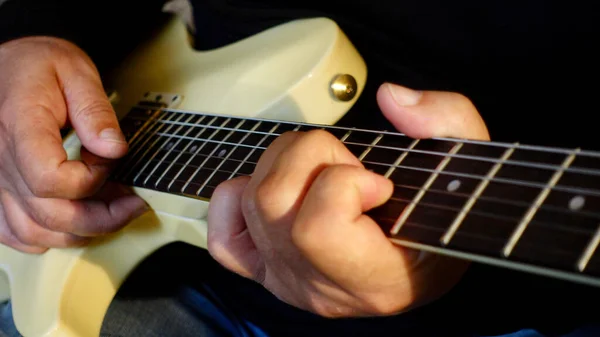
[{"x": 298, "y": 227}]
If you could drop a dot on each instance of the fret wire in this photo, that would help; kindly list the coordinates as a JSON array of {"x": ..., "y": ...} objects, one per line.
[
  {"x": 516, "y": 235},
  {"x": 408, "y": 210},
  {"x": 206, "y": 159},
  {"x": 137, "y": 149},
  {"x": 369, "y": 147},
  {"x": 400, "y": 158},
  {"x": 147, "y": 149},
  {"x": 589, "y": 251},
  {"x": 225, "y": 159},
  {"x": 173, "y": 149},
  {"x": 245, "y": 160},
  {"x": 474, "y": 197},
  {"x": 346, "y": 136},
  {"x": 443, "y": 154},
  {"x": 166, "y": 142},
  {"x": 210, "y": 155},
  {"x": 578, "y": 190},
  {"x": 538, "y": 148},
  {"x": 192, "y": 156}
]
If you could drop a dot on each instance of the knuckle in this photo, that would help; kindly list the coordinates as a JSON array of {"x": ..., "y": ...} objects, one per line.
[
  {"x": 270, "y": 200},
  {"x": 51, "y": 219},
  {"x": 334, "y": 180},
  {"x": 91, "y": 110},
  {"x": 84, "y": 219},
  {"x": 266, "y": 193},
  {"x": 28, "y": 234},
  {"x": 43, "y": 184},
  {"x": 335, "y": 175}
]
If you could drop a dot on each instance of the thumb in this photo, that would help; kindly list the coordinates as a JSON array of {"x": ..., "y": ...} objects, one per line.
[
  {"x": 427, "y": 114},
  {"x": 91, "y": 113},
  {"x": 229, "y": 241}
]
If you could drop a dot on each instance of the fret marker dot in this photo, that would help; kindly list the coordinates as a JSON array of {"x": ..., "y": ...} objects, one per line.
[
  {"x": 194, "y": 148},
  {"x": 169, "y": 145},
  {"x": 453, "y": 185},
  {"x": 576, "y": 203},
  {"x": 222, "y": 153}
]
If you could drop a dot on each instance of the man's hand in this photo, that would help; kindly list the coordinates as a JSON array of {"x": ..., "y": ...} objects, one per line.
[
  {"x": 298, "y": 227},
  {"x": 48, "y": 84}
]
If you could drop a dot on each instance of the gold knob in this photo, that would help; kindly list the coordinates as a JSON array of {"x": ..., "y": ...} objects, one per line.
[{"x": 344, "y": 87}]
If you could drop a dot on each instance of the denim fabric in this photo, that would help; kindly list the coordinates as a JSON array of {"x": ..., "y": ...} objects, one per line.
[{"x": 194, "y": 313}]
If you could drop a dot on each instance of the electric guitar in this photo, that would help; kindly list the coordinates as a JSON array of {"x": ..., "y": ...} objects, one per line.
[{"x": 195, "y": 119}]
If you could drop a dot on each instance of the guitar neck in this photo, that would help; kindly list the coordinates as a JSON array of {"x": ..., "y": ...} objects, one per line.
[{"x": 531, "y": 208}]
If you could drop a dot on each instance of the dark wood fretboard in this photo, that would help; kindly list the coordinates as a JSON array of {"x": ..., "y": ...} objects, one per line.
[{"x": 527, "y": 207}]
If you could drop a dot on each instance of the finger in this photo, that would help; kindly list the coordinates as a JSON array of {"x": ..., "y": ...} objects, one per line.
[
  {"x": 427, "y": 114},
  {"x": 266, "y": 160},
  {"x": 330, "y": 228},
  {"x": 229, "y": 241},
  {"x": 90, "y": 112},
  {"x": 8, "y": 238},
  {"x": 112, "y": 208},
  {"x": 282, "y": 179},
  {"x": 42, "y": 161},
  {"x": 349, "y": 248},
  {"x": 29, "y": 233}
]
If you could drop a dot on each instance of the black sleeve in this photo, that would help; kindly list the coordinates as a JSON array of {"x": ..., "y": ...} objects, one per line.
[{"x": 106, "y": 30}]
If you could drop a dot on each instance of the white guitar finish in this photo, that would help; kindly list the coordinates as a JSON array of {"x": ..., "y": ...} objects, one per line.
[{"x": 283, "y": 73}]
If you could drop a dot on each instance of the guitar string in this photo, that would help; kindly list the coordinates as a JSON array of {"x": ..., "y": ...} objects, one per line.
[
  {"x": 491, "y": 238},
  {"x": 550, "y": 149},
  {"x": 357, "y": 144},
  {"x": 558, "y": 186},
  {"x": 421, "y": 203},
  {"x": 552, "y": 167},
  {"x": 511, "y": 202},
  {"x": 454, "y": 194}
]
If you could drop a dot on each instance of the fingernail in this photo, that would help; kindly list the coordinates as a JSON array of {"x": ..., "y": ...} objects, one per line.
[
  {"x": 112, "y": 135},
  {"x": 404, "y": 96}
]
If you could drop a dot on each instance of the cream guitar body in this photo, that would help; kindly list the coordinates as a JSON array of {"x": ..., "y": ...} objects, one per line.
[{"x": 290, "y": 72}]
